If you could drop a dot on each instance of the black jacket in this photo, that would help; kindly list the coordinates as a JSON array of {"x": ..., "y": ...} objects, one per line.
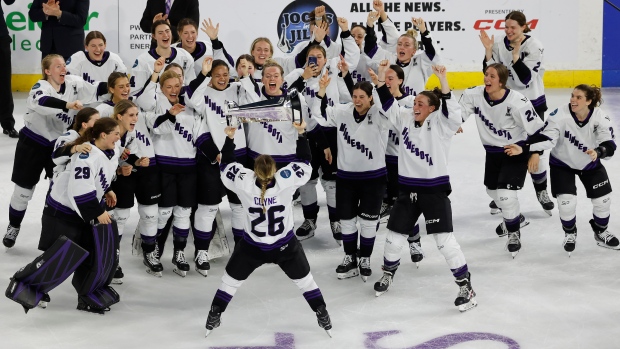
[
  {"x": 180, "y": 9},
  {"x": 65, "y": 35}
]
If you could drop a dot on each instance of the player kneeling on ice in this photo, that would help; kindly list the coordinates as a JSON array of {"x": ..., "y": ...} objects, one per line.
[
  {"x": 424, "y": 184},
  {"x": 266, "y": 194},
  {"x": 579, "y": 135},
  {"x": 74, "y": 202}
]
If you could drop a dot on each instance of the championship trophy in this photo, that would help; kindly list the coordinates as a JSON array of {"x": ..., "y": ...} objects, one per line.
[{"x": 286, "y": 108}]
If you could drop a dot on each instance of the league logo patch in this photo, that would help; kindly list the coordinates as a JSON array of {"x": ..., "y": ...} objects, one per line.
[
  {"x": 84, "y": 156},
  {"x": 68, "y": 61},
  {"x": 554, "y": 112},
  {"x": 36, "y": 86},
  {"x": 135, "y": 64},
  {"x": 285, "y": 174}
]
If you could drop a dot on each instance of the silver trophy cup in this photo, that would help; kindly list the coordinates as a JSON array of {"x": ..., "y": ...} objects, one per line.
[{"x": 285, "y": 108}]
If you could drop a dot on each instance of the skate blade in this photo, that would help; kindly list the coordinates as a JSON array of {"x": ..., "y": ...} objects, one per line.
[
  {"x": 524, "y": 224},
  {"x": 495, "y": 211},
  {"x": 181, "y": 273},
  {"x": 514, "y": 254},
  {"x": 329, "y": 333},
  {"x": 469, "y": 305},
  {"x": 549, "y": 212},
  {"x": 339, "y": 242},
  {"x": 154, "y": 273},
  {"x": 208, "y": 333},
  {"x": 349, "y": 274},
  {"x": 602, "y": 244},
  {"x": 306, "y": 237},
  {"x": 379, "y": 293},
  {"x": 569, "y": 254},
  {"x": 42, "y": 304},
  {"x": 6, "y": 249},
  {"x": 118, "y": 281},
  {"x": 202, "y": 272},
  {"x": 364, "y": 278},
  {"x": 417, "y": 265}
]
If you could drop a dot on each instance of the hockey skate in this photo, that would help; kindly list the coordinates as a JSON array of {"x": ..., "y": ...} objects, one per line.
[
  {"x": 202, "y": 262},
  {"x": 348, "y": 267},
  {"x": 84, "y": 306},
  {"x": 501, "y": 228},
  {"x": 364, "y": 268},
  {"x": 44, "y": 300},
  {"x": 384, "y": 214},
  {"x": 306, "y": 230},
  {"x": 10, "y": 236},
  {"x": 118, "y": 276},
  {"x": 603, "y": 237},
  {"x": 181, "y": 267},
  {"x": 384, "y": 283},
  {"x": 151, "y": 261},
  {"x": 466, "y": 297},
  {"x": 213, "y": 319},
  {"x": 324, "y": 321},
  {"x": 336, "y": 231},
  {"x": 494, "y": 209},
  {"x": 545, "y": 201},
  {"x": 514, "y": 243},
  {"x": 415, "y": 249},
  {"x": 570, "y": 241}
]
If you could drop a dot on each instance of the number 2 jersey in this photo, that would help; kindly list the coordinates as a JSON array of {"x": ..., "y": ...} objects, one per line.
[
  {"x": 571, "y": 138},
  {"x": 272, "y": 228}
]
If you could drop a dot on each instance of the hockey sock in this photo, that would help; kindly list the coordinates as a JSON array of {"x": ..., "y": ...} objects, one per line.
[
  {"x": 203, "y": 226},
  {"x": 349, "y": 235},
  {"x": 509, "y": 203},
  {"x": 226, "y": 291},
  {"x": 311, "y": 291},
  {"x": 451, "y": 250},
  {"x": 19, "y": 204},
  {"x": 330, "y": 195},
  {"x": 601, "y": 210},
  {"x": 310, "y": 211},
  {"x": 368, "y": 232},
  {"x": 238, "y": 217},
  {"x": 394, "y": 244},
  {"x": 539, "y": 185},
  {"x": 415, "y": 234},
  {"x": 148, "y": 222},
  {"x": 309, "y": 199},
  {"x": 180, "y": 226},
  {"x": 567, "y": 205},
  {"x": 121, "y": 215}
]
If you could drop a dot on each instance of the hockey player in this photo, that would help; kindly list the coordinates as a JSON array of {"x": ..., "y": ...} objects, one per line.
[
  {"x": 83, "y": 120},
  {"x": 50, "y": 105},
  {"x": 503, "y": 117},
  {"x": 95, "y": 63},
  {"x": 394, "y": 78},
  {"x": 76, "y": 196},
  {"x": 416, "y": 64},
  {"x": 209, "y": 101},
  {"x": 522, "y": 54},
  {"x": 362, "y": 139},
  {"x": 188, "y": 37},
  {"x": 174, "y": 127},
  {"x": 579, "y": 135},
  {"x": 143, "y": 66},
  {"x": 266, "y": 196},
  {"x": 426, "y": 131}
]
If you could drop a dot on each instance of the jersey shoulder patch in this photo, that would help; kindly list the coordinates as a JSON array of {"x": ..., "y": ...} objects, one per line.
[
  {"x": 68, "y": 61},
  {"x": 554, "y": 112},
  {"x": 135, "y": 64},
  {"x": 36, "y": 86},
  {"x": 285, "y": 173},
  {"x": 84, "y": 155}
]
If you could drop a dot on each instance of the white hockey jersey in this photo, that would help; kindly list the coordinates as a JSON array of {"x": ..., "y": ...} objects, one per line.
[
  {"x": 361, "y": 145},
  {"x": 203, "y": 50},
  {"x": 569, "y": 138},
  {"x": 44, "y": 124},
  {"x": 531, "y": 66},
  {"x": 80, "y": 64},
  {"x": 424, "y": 149},
  {"x": 78, "y": 190},
  {"x": 388, "y": 41},
  {"x": 509, "y": 120},
  {"x": 210, "y": 104},
  {"x": 61, "y": 160},
  {"x": 391, "y": 152},
  {"x": 417, "y": 71},
  {"x": 274, "y": 228},
  {"x": 143, "y": 67}
]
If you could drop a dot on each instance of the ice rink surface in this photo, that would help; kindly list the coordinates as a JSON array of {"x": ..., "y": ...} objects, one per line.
[{"x": 540, "y": 299}]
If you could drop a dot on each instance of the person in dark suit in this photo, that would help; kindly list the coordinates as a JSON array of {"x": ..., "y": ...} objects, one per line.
[
  {"x": 63, "y": 25},
  {"x": 6, "y": 96},
  {"x": 171, "y": 10}
]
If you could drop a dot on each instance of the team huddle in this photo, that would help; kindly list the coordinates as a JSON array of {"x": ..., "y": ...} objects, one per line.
[{"x": 105, "y": 134}]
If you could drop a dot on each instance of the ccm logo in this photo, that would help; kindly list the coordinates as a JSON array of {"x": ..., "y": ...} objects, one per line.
[
  {"x": 596, "y": 186},
  {"x": 485, "y": 24},
  {"x": 431, "y": 221}
]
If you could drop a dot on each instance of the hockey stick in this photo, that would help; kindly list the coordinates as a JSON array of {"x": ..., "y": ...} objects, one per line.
[{"x": 612, "y": 5}]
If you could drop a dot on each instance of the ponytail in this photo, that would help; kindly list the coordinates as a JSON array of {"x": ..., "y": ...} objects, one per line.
[
  {"x": 593, "y": 93},
  {"x": 265, "y": 169}
]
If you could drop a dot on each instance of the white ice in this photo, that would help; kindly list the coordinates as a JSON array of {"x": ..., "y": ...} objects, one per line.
[{"x": 541, "y": 299}]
